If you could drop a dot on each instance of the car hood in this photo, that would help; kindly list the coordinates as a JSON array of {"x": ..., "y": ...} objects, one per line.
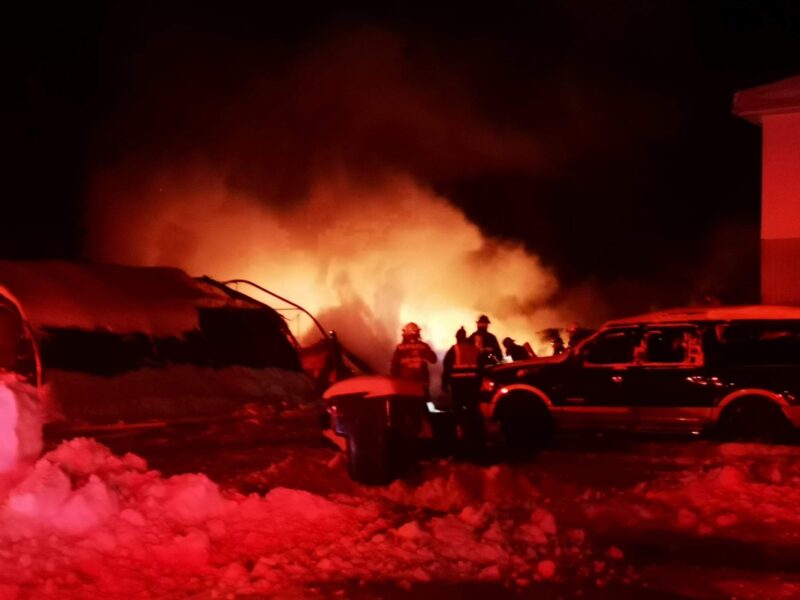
[{"x": 530, "y": 364}]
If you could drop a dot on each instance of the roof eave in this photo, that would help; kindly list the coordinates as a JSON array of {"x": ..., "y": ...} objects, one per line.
[
  {"x": 779, "y": 97},
  {"x": 755, "y": 115}
]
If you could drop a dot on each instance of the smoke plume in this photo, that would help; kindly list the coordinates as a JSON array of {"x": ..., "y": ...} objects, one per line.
[{"x": 317, "y": 180}]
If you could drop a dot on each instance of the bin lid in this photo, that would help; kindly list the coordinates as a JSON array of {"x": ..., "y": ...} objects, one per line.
[{"x": 375, "y": 386}]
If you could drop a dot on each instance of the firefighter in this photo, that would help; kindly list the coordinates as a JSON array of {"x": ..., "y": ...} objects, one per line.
[
  {"x": 514, "y": 351},
  {"x": 486, "y": 342},
  {"x": 411, "y": 357},
  {"x": 461, "y": 377}
]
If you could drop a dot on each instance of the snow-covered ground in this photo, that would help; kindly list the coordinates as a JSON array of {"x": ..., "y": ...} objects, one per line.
[{"x": 591, "y": 518}]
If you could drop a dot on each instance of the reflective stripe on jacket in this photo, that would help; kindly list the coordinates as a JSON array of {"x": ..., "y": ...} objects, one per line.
[
  {"x": 410, "y": 361},
  {"x": 460, "y": 363}
]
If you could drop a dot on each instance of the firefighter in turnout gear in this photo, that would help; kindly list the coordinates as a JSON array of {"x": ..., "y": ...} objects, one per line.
[
  {"x": 411, "y": 357},
  {"x": 486, "y": 342},
  {"x": 461, "y": 377}
]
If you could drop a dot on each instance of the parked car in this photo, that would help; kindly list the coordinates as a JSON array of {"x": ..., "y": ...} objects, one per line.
[{"x": 733, "y": 371}]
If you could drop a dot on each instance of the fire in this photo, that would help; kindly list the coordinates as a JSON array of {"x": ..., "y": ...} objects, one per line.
[{"x": 364, "y": 256}]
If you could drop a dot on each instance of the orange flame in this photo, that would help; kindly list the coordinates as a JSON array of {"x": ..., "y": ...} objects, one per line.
[{"x": 364, "y": 257}]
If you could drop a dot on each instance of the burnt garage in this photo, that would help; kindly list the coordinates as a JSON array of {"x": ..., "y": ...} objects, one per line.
[{"x": 108, "y": 343}]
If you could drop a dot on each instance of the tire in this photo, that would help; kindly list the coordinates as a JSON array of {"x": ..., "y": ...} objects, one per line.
[
  {"x": 754, "y": 420},
  {"x": 526, "y": 424}
]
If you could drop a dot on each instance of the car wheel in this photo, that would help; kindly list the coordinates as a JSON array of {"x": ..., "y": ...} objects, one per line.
[
  {"x": 754, "y": 420},
  {"x": 526, "y": 424}
]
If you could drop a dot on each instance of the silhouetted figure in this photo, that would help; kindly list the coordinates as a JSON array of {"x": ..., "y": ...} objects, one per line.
[
  {"x": 486, "y": 342},
  {"x": 411, "y": 357},
  {"x": 553, "y": 336},
  {"x": 576, "y": 333},
  {"x": 461, "y": 376},
  {"x": 514, "y": 351}
]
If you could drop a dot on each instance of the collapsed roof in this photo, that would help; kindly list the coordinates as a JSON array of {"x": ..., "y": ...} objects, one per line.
[
  {"x": 157, "y": 301},
  {"x": 117, "y": 343}
]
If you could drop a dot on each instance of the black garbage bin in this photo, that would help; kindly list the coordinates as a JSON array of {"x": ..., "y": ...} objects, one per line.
[{"x": 380, "y": 418}]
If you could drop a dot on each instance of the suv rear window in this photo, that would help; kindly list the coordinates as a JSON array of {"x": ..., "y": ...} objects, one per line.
[{"x": 760, "y": 343}]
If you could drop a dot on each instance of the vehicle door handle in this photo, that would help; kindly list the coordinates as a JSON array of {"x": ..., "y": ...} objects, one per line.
[{"x": 617, "y": 378}]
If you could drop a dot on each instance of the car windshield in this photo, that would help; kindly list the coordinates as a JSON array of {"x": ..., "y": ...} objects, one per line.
[{"x": 614, "y": 346}]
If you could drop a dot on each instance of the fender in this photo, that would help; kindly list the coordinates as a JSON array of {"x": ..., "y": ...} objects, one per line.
[
  {"x": 778, "y": 399},
  {"x": 504, "y": 390}
]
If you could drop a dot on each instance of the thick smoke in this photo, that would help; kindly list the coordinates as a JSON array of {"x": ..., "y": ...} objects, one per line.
[
  {"x": 364, "y": 257},
  {"x": 316, "y": 181}
]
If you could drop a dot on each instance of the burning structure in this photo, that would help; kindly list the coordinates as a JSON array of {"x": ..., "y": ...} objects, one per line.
[
  {"x": 110, "y": 343},
  {"x": 340, "y": 197},
  {"x": 776, "y": 107}
]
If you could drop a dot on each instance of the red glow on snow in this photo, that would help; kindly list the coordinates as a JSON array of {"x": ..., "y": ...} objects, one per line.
[{"x": 8, "y": 434}]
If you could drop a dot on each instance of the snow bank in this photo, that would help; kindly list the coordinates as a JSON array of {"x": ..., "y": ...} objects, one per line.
[
  {"x": 20, "y": 424},
  {"x": 746, "y": 492},
  {"x": 450, "y": 488},
  {"x": 582, "y": 517},
  {"x": 87, "y": 522}
]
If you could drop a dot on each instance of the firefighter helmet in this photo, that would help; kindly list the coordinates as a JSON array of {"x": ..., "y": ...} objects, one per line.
[
  {"x": 411, "y": 329},
  {"x": 483, "y": 319}
]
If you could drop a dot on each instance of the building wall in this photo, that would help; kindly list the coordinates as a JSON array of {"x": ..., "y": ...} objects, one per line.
[{"x": 780, "y": 212}]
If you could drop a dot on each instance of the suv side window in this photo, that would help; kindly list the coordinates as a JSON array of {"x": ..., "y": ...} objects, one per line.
[
  {"x": 614, "y": 347},
  {"x": 670, "y": 346},
  {"x": 759, "y": 343}
]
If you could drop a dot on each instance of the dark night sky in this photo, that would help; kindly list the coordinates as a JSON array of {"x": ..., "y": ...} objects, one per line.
[{"x": 640, "y": 171}]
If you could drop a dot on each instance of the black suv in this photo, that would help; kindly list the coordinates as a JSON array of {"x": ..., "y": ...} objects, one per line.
[{"x": 731, "y": 370}]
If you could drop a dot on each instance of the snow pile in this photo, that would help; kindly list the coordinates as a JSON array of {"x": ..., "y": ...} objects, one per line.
[
  {"x": 72, "y": 489},
  {"x": 88, "y": 522},
  {"x": 446, "y": 488},
  {"x": 20, "y": 424},
  {"x": 623, "y": 512},
  {"x": 739, "y": 491}
]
